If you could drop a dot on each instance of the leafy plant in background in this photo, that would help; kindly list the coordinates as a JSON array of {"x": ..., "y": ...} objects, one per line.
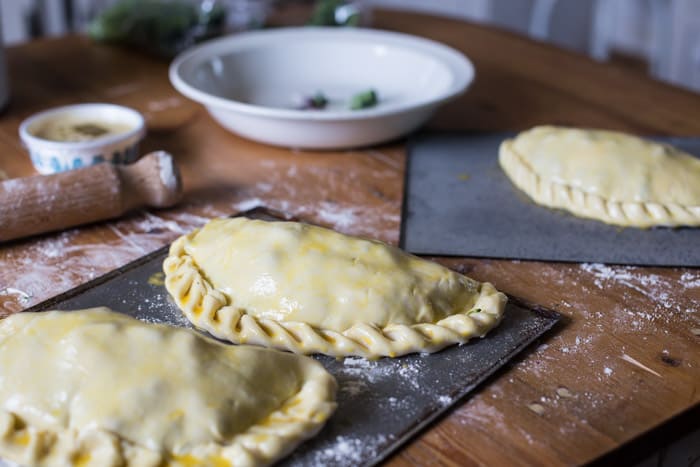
[
  {"x": 163, "y": 27},
  {"x": 334, "y": 13}
]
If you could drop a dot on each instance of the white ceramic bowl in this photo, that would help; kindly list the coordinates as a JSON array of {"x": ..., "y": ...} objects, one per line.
[
  {"x": 253, "y": 83},
  {"x": 51, "y": 156}
]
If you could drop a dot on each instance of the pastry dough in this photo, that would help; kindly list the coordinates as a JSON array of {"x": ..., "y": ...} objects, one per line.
[
  {"x": 98, "y": 388},
  {"x": 613, "y": 177},
  {"x": 307, "y": 289}
]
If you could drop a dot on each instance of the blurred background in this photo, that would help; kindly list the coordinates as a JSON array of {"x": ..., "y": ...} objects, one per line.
[{"x": 658, "y": 37}]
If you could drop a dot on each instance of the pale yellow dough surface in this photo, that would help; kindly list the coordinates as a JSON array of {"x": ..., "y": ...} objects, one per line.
[
  {"x": 610, "y": 176},
  {"x": 308, "y": 289},
  {"x": 98, "y": 388}
]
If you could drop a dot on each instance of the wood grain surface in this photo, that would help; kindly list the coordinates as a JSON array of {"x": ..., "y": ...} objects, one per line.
[{"x": 625, "y": 360}]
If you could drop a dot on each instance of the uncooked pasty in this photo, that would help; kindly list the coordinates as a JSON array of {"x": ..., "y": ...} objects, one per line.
[
  {"x": 312, "y": 290},
  {"x": 98, "y": 388},
  {"x": 613, "y": 177}
]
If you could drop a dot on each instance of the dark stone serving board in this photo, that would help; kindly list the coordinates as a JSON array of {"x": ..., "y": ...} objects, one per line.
[{"x": 460, "y": 203}]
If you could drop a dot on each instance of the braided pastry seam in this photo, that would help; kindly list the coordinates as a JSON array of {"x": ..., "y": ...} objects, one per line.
[
  {"x": 208, "y": 309},
  {"x": 591, "y": 205},
  {"x": 299, "y": 418},
  {"x": 269, "y": 438}
]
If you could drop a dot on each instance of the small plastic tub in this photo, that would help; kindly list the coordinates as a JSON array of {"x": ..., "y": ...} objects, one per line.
[{"x": 76, "y": 136}]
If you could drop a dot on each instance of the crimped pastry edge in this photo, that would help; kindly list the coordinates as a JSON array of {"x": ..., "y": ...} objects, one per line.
[
  {"x": 207, "y": 308},
  {"x": 299, "y": 418},
  {"x": 591, "y": 205}
]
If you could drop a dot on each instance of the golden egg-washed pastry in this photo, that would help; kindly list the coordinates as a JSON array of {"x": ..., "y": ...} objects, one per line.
[
  {"x": 307, "y": 289},
  {"x": 98, "y": 388},
  {"x": 605, "y": 175}
]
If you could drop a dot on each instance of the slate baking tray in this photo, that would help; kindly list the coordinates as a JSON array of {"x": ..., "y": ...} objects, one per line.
[
  {"x": 460, "y": 203},
  {"x": 381, "y": 404}
]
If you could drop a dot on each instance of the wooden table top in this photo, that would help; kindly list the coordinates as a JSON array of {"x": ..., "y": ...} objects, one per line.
[{"x": 625, "y": 360}]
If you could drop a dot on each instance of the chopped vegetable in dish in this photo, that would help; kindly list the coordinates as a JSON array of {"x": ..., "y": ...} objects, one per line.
[
  {"x": 361, "y": 100},
  {"x": 364, "y": 100},
  {"x": 317, "y": 101}
]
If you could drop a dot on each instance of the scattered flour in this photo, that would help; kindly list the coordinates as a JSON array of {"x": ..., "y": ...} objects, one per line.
[
  {"x": 339, "y": 218},
  {"x": 365, "y": 370},
  {"x": 164, "y": 104},
  {"x": 690, "y": 280},
  {"x": 375, "y": 371},
  {"x": 444, "y": 400},
  {"x": 54, "y": 263},
  {"x": 396, "y": 403},
  {"x": 353, "y": 387},
  {"x": 344, "y": 218},
  {"x": 651, "y": 302},
  {"x": 658, "y": 289},
  {"x": 248, "y": 204},
  {"x": 123, "y": 89},
  {"x": 481, "y": 413},
  {"x": 350, "y": 450}
]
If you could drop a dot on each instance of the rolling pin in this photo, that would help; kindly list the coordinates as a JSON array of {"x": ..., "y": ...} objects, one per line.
[{"x": 44, "y": 203}]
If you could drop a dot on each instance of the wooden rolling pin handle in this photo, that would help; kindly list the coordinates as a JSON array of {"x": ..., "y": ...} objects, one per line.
[
  {"x": 151, "y": 181},
  {"x": 44, "y": 203}
]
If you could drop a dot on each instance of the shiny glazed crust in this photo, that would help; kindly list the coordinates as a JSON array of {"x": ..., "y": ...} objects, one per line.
[
  {"x": 272, "y": 437},
  {"x": 580, "y": 203},
  {"x": 208, "y": 309}
]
